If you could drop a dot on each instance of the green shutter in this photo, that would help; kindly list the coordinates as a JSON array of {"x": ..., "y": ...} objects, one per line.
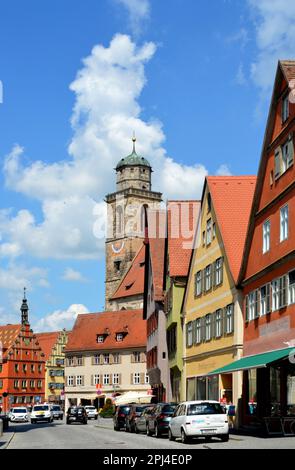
[{"x": 290, "y": 150}]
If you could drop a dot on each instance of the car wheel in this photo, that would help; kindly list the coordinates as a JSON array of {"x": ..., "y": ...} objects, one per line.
[
  {"x": 68, "y": 422},
  {"x": 116, "y": 428},
  {"x": 225, "y": 438},
  {"x": 170, "y": 435},
  {"x": 148, "y": 431},
  {"x": 157, "y": 432},
  {"x": 184, "y": 438}
]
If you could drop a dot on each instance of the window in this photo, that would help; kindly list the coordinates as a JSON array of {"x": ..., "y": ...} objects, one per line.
[
  {"x": 24, "y": 384},
  {"x": 251, "y": 306},
  {"x": 208, "y": 277},
  {"x": 16, "y": 384},
  {"x": 214, "y": 230},
  {"x": 209, "y": 232},
  {"x": 136, "y": 378},
  {"x": 208, "y": 327},
  {"x": 39, "y": 384},
  {"x": 32, "y": 383},
  {"x": 32, "y": 368},
  {"x": 116, "y": 358},
  {"x": 96, "y": 359},
  {"x": 70, "y": 381},
  {"x": 136, "y": 356},
  {"x": 96, "y": 379},
  {"x": 106, "y": 358},
  {"x": 1, "y": 383},
  {"x": 204, "y": 238},
  {"x": 146, "y": 379},
  {"x": 229, "y": 314},
  {"x": 283, "y": 291},
  {"x": 189, "y": 332},
  {"x": 79, "y": 361},
  {"x": 16, "y": 367},
  {"x": 171, "y": 340},
  {"x": 275, "y": 294},
  {"x": 218, "y": 271},
  {"x": 285, "y": 157},
  {"x": 285, "y": 108},
  {"x": 79, "y": 380},
  {"x": 100, "y": 338},
  {"x": 106, "y": 379},
  {"x": 291, "y": 299},
  {"x": 218, "y": 323},
  {"x": 198, "y": 331},
  {"x": 39, "y": 368},
  {"x": 284, "y": 216},
  {"x": 115, "y": 379},
  {"x": 117, "y": 265},
  {"x": 209, "y": 202},
  {"x": 25, "y": 367},
  {"x": 119, "y": 337},
  {"x": 70, "y": 361},
  {"x": 266, "y": 236},
  {"x": 198, "y": 283},
  {"x": 265, "y": 299}
]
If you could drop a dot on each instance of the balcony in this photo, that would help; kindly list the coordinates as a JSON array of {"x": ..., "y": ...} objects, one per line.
[{"x": 56, "y": 386}]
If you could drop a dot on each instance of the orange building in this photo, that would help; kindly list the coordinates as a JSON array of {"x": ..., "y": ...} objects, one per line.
[{"x": 22, "y": 364}]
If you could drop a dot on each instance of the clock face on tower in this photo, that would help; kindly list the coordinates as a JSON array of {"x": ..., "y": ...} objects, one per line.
[{"x": 117, "y": 247}]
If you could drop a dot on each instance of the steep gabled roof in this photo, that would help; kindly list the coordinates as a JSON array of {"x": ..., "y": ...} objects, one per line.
[
  {"x": 133, "y": 281},
  {"x": 47, "y": 341},
  {"x": 181, "y": 230},
  {"x": 87, "y": 326},
  {"x": 8, "y": 335},
  {"x": 157, "y": 251},
  {"x": 285, "y": 70},
  {"x": 232, "y": 198}
]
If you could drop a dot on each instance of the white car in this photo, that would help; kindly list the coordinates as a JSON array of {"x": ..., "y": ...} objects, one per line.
[
  {"x": 91, "y": 411},
  {"x": 18, "y": 414},
  {"x": 199, "y": 418},
  {"x": 41, "y": 413}
]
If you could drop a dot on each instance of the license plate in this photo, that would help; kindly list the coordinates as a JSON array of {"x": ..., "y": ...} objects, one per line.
[
  {"x": 208, "y": 431},
  {"x": 73, "y": 418}
]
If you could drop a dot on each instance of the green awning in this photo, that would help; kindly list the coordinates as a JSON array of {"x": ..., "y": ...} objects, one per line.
[{"x": 254, "y": 362}]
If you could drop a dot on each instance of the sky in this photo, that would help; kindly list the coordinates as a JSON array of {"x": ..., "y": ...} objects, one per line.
[{"x": 193, "y": 80}]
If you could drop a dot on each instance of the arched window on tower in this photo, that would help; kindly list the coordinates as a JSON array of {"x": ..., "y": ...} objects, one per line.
[
  {"x": 143, "y": 219},
  {"x": 119, "y": 221}
]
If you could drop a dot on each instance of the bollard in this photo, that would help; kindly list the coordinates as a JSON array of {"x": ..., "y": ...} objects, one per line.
[{"x": 1, "y": 427}]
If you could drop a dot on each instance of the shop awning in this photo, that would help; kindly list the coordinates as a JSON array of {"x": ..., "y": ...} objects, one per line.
[{"x": 254, "y": 362}]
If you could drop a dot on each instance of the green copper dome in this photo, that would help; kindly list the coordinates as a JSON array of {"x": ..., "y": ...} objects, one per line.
[{"x": 133, "y": 159}]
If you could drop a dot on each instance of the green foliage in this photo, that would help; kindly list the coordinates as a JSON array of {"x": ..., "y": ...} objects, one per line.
[{"x": 108, "y": 410}]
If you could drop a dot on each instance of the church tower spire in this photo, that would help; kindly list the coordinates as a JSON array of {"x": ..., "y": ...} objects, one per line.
[{"x": 25, "y": 310}]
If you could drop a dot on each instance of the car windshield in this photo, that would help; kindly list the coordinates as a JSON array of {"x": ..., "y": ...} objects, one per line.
[
  {"x": 56, "y": 408},
  {"x": 124, "y": 409},
  {"x": 168, "y": 408},
  {"x": 91, "y": 408},
  {"x": 204, "y": 409},
  {"x": 19, "y": 410},
  {"x": 41, "y": 408}
]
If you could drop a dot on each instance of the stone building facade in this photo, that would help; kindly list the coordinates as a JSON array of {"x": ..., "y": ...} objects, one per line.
[{"x": 126, "y": 216}]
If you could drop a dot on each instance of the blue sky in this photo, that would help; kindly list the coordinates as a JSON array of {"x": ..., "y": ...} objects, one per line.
[{"x": 192, "y": 78}]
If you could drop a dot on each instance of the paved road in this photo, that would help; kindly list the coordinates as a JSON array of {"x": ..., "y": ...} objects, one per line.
[{"x": 101, "y": 436}]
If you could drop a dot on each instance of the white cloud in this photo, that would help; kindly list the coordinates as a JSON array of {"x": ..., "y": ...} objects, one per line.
[
  {"x": 73, "y": 276},
  {"x": 138, "y": 11},
  {"x": 60, "y": 319},
  {"x": 240, "y": 76},
  {"x": 223, "y": 170},
  {"x": 16, "y": 277},
  {"x": 106, "y": 111},
  {"x": 275, "y": 38}
]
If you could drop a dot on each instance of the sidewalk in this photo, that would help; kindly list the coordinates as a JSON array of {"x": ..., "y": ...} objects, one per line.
[{"x": 5, "y": 439}]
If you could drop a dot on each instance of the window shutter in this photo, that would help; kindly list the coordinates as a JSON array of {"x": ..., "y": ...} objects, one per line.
[
  {"x": 233, "y": 317},
  {"x": 290, "y": 150},
  {"x": 132, "y": 358},
  {"x": 120, "y": 379},
  {"x": 111, "y": 379},
  {"x": 74, "y": 381},
  {"x": 101, "y": 379},
  {"x": 196, "y": 277},
  {"x": 214, "y": 274},
  {"x": 142, "y": 357},
  {"x": 211, "y": 275},
  {"x": 223, "y": 321},
  {"x": 131, "y": 378},
  {"x": 203, "y": 280},
  {"x": 203, "y": 329},
  {"x": 246, "y": 308},
  {"x": 186, "y": 334},
  {"x": 283, "y": 291},
  {"x": 221, "y": 269},
  {"x": 101, "y": 359},
  {"x": 194, "y": 332},
  {"x": 213, "y": 325},
  {"x": 66, "y": 380},
  {"x": 92, "y": 380},
  {"x": 83, "y": 380},
  {"x": 268, "y": 307},
  {"x": 111, "y": 359},
  {"x": 278, "y": 154},
  {"x": 142, "y": 377}
]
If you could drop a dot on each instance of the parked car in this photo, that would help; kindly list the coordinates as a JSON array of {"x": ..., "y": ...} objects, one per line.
[
  {"x": 119, "y": 418},
  {"x": 18, "y": 414},
  {"x": 91, "y": 411},
  {"x": 134, "y": 413},
  {"x": 41, "y": 413},
  {"x": 159, "y": 418},
  {"x": 76, "y": 414},
  {"x": 57, "y": 412},
  {"x": 199, "y": 418},
  {"x": 140, "y": 422}
]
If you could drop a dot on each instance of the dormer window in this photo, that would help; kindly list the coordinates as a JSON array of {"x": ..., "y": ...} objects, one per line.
[
  {"x": 100, "y": 338},
  {"x": 119, "y": 337},
  {"x": 285, "y": 108}
]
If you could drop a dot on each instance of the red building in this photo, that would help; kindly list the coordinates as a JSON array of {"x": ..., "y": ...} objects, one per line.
[
  {"x": 22, "y": 367},
  {"x": 268, "y": 271}
]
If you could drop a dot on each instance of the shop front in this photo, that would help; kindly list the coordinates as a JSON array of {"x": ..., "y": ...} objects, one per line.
[{"x": 268, "y": 394}]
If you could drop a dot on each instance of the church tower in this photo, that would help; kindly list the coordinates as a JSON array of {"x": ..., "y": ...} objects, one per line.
[{"x": 126, "y": 217}]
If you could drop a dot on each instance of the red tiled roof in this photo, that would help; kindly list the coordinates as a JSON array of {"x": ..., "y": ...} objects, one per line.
[
  {"x": 288, "y": 67},
  {"x": 87, "y": 326},
  {"x": 182, "y": 220},
  {"x": 157, "y": 251},
  {"x": 133, "y": 281},
  {"x": 47, "y": 341},
  {"x": 232, "y": 198},
  {"x": 8, "y": 334}
]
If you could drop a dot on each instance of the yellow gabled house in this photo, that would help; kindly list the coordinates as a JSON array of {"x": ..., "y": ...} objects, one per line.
[{"x": 212, "y": 307}]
